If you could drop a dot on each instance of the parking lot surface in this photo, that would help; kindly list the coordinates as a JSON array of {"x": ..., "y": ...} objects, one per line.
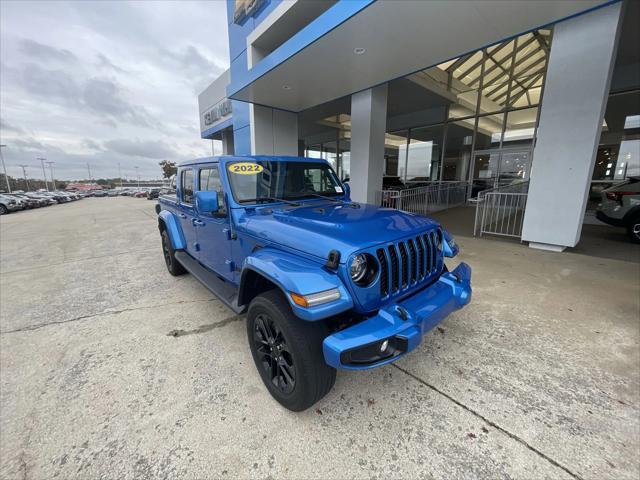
[{"x": 111, "y": 368}]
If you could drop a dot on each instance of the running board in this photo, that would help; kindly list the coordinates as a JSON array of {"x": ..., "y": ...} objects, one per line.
[{"x": 225, "y": 291}]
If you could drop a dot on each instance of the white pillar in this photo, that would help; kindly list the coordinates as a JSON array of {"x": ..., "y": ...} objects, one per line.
[
  {"x": 273, "y": 132},
  {"x": 368, "y": 126},
  {"x": 575, "y": 95}
]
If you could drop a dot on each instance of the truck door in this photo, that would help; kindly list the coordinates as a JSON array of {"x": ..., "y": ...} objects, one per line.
[
  {"x": 186, "y": 210},
  {"x": 213, "y": 229}
]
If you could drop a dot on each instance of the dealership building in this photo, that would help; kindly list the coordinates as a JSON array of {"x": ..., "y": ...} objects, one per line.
[{"x": 535, "y": 100}]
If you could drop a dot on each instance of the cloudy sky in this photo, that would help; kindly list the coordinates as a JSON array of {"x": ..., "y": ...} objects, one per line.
[{"x": 106, "y": 83}]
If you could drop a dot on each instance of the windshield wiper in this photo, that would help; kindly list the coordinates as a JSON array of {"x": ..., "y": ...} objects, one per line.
[
  {"x": 276, "y": 199},
  {"x": 331, "y": 199}
]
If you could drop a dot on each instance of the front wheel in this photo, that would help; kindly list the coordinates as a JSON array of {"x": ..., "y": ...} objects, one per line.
[
  {"x": 287, "y": 352},
  {"x": 3, "y": 210},
  {"x": 175, "y": 268}
]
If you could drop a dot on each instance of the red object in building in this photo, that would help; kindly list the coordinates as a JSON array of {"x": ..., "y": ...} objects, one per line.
[{"x": 83, "y": 186}]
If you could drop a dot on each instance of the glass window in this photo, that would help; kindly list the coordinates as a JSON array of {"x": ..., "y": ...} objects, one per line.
[
  {"x": 284, "y": 180},
  {"x": 210, "y": 181},
  {"x": 618, "y": 156},
  {"x": 457, "y": 154},
  {"x": 520, "y": 127},
  {"x": 489, "y": 131},
  {"x": 395, "y": 155},
  {"x": 187, "y": 186},
  {"x": 330, "y": 154},
  {"x": 423, "y": 156}
]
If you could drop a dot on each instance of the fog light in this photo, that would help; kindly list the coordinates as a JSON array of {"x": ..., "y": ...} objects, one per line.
[{"x": 384, "y": 345}]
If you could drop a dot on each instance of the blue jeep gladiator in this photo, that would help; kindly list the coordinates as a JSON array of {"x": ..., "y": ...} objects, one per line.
[{"x": 328, "y": 283}]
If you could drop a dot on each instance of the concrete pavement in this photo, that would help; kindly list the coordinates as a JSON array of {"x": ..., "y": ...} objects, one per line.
[{"x": 539, "y": 377}]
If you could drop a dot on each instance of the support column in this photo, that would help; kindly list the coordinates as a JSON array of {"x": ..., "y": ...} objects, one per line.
[
  {"x": 368, "y": 126},
  {"x": 227, "y": 141},
  {"x": 273, "y": 132},
  {"x": 575, "y": 95}
]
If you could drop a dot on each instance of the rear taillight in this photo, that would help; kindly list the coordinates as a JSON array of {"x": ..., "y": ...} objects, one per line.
[{"x": 617, "y": 196}]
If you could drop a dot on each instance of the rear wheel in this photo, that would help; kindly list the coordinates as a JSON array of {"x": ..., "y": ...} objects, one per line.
[
  {"x": 175, "y": 268},
  {"x": 633, "y": 229},
  {"x": 287, "y": 352}
]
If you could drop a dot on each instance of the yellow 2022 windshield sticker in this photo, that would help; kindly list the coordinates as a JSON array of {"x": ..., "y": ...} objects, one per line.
[{"x": 245, "y": 168}]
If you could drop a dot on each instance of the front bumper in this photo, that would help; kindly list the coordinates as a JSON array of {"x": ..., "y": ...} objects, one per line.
[{"x": 403, "y": 324}]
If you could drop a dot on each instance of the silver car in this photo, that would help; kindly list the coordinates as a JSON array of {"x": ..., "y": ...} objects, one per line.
[{"x": 620, "y": 207}]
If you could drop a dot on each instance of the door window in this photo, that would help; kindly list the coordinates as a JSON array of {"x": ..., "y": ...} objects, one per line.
[
  {"x": 210, "y": 181},
  {"x": 187, "y": 186}
]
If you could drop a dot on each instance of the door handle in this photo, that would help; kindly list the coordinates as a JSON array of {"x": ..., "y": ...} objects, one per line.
[
  {"x": 197, "y": 223},
  {"x": 182, "y": 215}
]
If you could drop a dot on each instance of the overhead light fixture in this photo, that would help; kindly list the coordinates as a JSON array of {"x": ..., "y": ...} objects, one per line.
[
  {"x": 286, "y": 87},
  {"x": 359, "y": 50}
]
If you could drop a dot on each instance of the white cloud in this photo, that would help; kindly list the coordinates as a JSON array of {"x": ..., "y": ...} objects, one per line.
[{"x": 106, "y": 83}]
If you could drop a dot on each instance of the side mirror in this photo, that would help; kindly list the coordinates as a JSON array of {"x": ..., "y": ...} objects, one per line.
[
  {"x": 206, "y": 201},
  {"x": 347, "y": 190}
]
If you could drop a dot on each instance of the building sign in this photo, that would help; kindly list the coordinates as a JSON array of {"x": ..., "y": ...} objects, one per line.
[
  {"x": 215, "y": 113},
  {"x": 245, "y": 9}
]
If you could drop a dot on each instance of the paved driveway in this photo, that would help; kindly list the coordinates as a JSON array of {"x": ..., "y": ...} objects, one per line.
[{"x": 111, "y": 368}]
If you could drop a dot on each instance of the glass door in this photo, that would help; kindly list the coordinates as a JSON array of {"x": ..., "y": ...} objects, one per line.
[
  {"x": 515, "y": 166},
  {"x": 484, "y": 173},
  {"x": 497, "y": 168}
]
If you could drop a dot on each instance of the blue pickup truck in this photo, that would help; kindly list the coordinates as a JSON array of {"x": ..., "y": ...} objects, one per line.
[{"x": 327, "y": 283}]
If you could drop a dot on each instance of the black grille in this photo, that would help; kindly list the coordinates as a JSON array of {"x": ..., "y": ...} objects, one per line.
[
  {"x": 405, "y": 264},
  {"x": 414, "y": 261},
  {"x": 394, "y": 268},
  {"x": 408, "y": 262},
  {"x": 384, "y": 272}
]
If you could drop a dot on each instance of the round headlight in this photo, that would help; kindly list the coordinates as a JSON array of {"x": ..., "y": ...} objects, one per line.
[{"x": 358, "y": 268}]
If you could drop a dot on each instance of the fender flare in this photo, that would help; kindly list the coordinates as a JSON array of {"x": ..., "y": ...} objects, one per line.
[
  {"x": 292, "y": 273},
  {"x": 173, "y": 229}
]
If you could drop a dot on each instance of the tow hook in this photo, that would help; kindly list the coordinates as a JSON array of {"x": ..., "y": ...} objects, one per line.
[{"x": 403, "y": 313}]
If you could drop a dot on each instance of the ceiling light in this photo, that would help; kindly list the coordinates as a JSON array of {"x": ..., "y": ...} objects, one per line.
[{"x": 359, "y": 50}]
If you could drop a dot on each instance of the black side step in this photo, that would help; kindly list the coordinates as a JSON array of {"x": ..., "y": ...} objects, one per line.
[{"x": 225, "y": 291}]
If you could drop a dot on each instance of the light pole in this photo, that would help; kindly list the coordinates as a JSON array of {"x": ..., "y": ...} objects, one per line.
[
  {"x": 120, "y": 174},
  {"x": 53, "y": 182},
  {"x": 89, "y": 170},
  {"x": 4, "y": 168},
  {"x": 46, "y": 184},
  {"x": 24, "y": 172},
  {"x": 138, "y": 175}
]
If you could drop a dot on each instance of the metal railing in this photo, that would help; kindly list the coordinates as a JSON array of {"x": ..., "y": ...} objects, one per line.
[
  {"x": 500, "y": 210},
  {"x": 425, "y": 199}
]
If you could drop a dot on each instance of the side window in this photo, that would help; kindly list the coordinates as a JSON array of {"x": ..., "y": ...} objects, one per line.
[
  {"x": 210, "y": 181},
  {"x": 187, "y": 186}
]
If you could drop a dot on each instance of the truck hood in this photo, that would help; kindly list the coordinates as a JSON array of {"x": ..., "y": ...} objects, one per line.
[{"x": 318, "y": 228}]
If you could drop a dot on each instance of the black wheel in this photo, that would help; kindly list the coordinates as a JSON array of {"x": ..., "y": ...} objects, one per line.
[
  {"x": 175, "y": 268},
  {"x": 633, "y": 229},
  {"x": 287, "y": 352},
  {"x": 3, "y": 210}
]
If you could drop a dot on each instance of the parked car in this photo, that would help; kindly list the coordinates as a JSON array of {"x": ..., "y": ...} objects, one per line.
[
  {"x": 153, "y": 193},
  {"x": 43, "y": 199},
  {"x": 328, "y": 283},
  {"x": 8, "y": 204},
  {"x": 112, "y": 193},
  {"x": 99, "y": 193},
  {"x": 141, "y": 194},
  {"x": 24, "y": 200},
  {"x": 392, "y": 182},
  {"x": 620, "y": 207}
]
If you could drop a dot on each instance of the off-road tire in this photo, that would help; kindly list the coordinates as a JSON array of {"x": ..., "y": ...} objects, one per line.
[
  {"x": 303, "y": 342},
  {"x": 633, "y": 228},
  {"x": 3, "y": 210},
  {"x": 174, "y": 267}
]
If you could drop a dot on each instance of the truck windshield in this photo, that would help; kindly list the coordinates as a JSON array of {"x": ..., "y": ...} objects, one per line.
[{"x": 256, "y": 182}]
